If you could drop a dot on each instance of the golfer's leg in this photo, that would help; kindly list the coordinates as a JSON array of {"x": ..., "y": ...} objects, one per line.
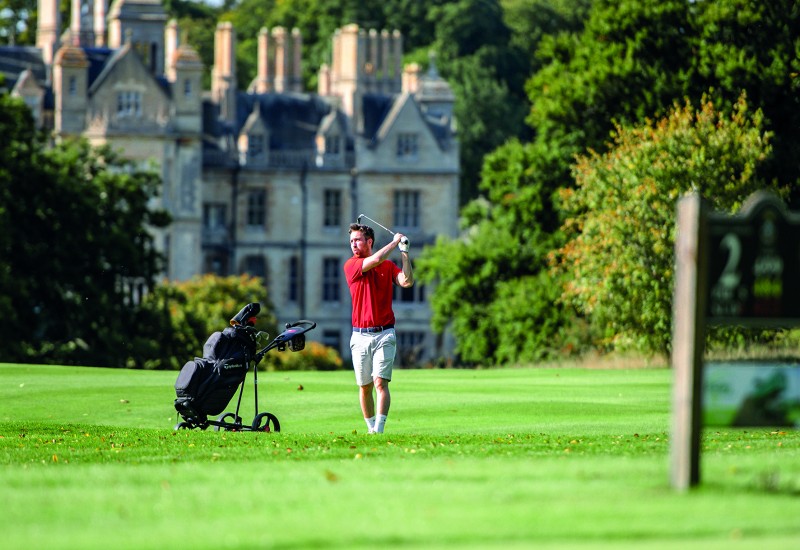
[
  {"x": 383, "y": 361},
  {"x": 361, "y": 349},
  {"x": 367, "y": 400},
  {"x": 384, "y": 397}
]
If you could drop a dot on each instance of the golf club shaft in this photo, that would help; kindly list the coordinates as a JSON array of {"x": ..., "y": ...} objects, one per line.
[{"x": 405, "y": 239}]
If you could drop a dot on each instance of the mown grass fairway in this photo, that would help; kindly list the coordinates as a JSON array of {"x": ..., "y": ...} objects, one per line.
[{"x": 471, "y": 459}]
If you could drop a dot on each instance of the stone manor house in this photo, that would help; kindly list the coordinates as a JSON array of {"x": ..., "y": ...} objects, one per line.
[{"x": 265, "y": 180}]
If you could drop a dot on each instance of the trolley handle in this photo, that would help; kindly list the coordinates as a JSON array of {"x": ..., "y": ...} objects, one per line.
[
  {"x": 309, "y": 325},
  {"x": 293, "y": 336}
]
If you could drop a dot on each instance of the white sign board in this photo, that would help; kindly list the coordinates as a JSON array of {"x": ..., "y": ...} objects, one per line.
[{"x": 751, "y": 394}]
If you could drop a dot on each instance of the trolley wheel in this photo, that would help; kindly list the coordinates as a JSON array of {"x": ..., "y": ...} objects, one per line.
[
  {"x": 236, "y": 424},
  {"x": 270, "y": 422},
  {"x": 183, "y": 426}
]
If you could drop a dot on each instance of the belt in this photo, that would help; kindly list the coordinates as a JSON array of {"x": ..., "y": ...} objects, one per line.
[{"x": 372, "y": 330}]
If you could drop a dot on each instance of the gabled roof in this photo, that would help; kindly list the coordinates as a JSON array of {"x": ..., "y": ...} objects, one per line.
[
  {"x": 103, "y": 60},
  {"x": 27, "y": 79},
  {"x": 382, "y": 112}
]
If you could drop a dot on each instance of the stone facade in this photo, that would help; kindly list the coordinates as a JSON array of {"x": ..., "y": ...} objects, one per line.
[{"x": 264, "y": 180}]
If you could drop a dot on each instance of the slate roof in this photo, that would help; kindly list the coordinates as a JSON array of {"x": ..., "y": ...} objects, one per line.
[
  {"x": 375, "y": 108},
  {"x": 292, "y": 119},
  {"x": 15, "y": 59},
  {"x": 97, "y": 58}
]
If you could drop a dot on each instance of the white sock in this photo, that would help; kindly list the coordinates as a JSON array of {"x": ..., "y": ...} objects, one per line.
[
  {"x": 370, "y": 423},
  {"x": 380, "y": 423}
]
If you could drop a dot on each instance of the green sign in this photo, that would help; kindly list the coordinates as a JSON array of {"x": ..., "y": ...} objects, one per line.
[{"x": 754, "y": 265}]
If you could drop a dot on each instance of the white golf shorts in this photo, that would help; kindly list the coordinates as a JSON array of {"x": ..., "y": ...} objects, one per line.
[{"x": 373, "y": 355}]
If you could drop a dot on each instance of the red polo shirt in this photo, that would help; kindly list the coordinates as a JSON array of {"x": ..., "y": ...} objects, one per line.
[{"x": 371, "y": 292}]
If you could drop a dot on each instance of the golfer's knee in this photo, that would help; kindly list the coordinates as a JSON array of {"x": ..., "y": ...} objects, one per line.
[{"x": 381, "y": 384}]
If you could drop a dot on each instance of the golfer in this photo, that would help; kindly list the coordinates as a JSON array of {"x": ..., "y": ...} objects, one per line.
[{"x": 373, "y": 343}]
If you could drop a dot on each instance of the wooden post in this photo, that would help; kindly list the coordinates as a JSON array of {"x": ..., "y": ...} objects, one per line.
[{"x": 688, "y": 341}]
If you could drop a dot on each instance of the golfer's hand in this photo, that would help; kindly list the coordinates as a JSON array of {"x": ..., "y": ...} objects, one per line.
[{"x": 404, "y": 244}]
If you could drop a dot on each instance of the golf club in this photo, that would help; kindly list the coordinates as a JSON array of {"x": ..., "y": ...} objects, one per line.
[{"x": 404, "y": 240}]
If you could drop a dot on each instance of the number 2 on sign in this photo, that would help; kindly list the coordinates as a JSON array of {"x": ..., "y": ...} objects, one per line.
[
  {"x": 730, "y": 274},
  {"x": 726, "y": 295}
]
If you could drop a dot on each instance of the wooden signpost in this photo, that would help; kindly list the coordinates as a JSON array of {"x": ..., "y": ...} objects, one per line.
[{"x": 741, "y": 270}]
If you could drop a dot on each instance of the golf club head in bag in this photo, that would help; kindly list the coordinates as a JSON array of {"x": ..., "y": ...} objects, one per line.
[{"x": 247, "y": 315}]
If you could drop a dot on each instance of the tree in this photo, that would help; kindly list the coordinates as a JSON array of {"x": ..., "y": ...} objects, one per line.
[
  {"x": 17, "y": 22},
  {"x": 501, "y": 256},
  {"x": 631, "y": 61},
  {"x": 473, "y": 54},
  {"x": 530, "y": 21},
  {"x": 487, "y": 113},
  {"x": 75, "y": 247},
  {"x": 618, "y": 259},
  {"x": 752, "y": 46},
  {"x": 16, "y": 148}
]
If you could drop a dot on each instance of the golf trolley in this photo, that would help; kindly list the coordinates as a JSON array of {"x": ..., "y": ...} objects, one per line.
[{"x": 206, "y": 385}]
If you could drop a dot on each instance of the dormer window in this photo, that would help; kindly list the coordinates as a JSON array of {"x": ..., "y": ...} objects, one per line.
[
  {"x": 332, "y": 144},
  {"x": 407, "y": 146},
  {"x": 255, "y": 146},
  {"x": 129, "y": 104}
]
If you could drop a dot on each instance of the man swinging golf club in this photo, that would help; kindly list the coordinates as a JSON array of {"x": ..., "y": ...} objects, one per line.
[{"x": 373, "y": 343}]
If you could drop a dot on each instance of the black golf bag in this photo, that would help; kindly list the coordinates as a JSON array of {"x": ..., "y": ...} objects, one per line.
[{"x": 206, "y": 385}]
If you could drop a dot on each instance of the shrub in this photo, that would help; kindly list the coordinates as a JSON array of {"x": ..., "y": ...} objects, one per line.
[{"x": 315, "y": 356}]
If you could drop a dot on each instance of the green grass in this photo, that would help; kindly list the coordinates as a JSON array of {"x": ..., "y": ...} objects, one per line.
[{"x": 471, "y": 459}]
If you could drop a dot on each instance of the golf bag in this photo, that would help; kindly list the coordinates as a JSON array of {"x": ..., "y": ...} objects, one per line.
[{"x": 206, "y": 385}]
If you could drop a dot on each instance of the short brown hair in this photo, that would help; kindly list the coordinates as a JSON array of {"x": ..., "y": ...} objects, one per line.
[{"x": 365, "y": 229}]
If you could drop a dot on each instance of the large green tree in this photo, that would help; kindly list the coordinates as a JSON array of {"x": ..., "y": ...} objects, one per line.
[
  {"x": 75, "y": 245},
  {"x": 493, "y": 292},
  {"x": 632, "y": 61},
  {"x": 475, "y": 56},
  {"x": 620, "y": 220},
  {"x": 753, "y": 46}
]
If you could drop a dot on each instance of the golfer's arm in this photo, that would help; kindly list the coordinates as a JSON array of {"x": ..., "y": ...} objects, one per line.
[
  {"x": 406, "y": 277},
  {"x": 378, "y": 257}
]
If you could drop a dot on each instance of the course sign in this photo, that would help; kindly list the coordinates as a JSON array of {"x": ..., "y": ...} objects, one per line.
[
  {"x": 754, "y": 265},
  {"x": 743, "y": 270}
]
